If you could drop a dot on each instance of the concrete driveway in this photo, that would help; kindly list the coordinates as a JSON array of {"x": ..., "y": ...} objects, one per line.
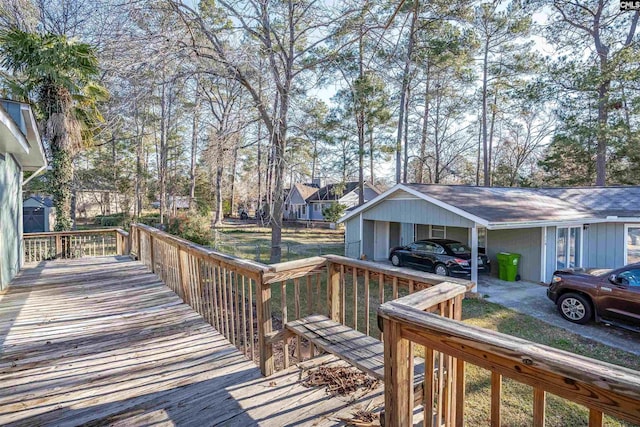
[{"x": 531, "y": 299}]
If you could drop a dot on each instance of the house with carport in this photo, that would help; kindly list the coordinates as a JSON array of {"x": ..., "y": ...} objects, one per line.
[{"x": 551, "y": 228}]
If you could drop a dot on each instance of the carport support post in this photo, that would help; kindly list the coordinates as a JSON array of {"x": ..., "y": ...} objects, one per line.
[{"x": 474, "y": 256}]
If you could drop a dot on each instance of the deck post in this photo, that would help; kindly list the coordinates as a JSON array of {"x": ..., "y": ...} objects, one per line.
[
  {"x": 398, "y": 376},
  {"x": 58, "y": 246},
  {"x": 333, "y": 277},
  {"x": 265, "y": 326},
  {"x": 151, "y": 260},
  {"x": 118, "y": 243}
]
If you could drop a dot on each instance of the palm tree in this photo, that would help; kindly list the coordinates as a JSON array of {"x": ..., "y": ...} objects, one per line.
[{"x": 56, "y": 73}]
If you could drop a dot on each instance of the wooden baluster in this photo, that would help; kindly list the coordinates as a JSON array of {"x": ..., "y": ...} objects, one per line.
[
  {"x": 441, "y": 389},
  {"x": 296, "y": 290},
  {"x": 428, "y": 386},
  {"x": 411, "y": 286},
  {"x": 183, "y": 276},
  {"x": 251, "y": 331},
  {"x": 333, "y": 288},
  {"x": 539, "y": 398},
  {"x": 309, "y": 311},
  {"x": 230, "y": 306},
  {"x": 343, "y": 294},
  {"x": 449, "y": 396},
  {"x": 496, "y": 392},
  {"x": 395, "y": 288},
  {"x": 381, "y": 296},
  {"x": 366, "y": 301},
  {"x": 283, "y": 307},
  {"x": 236, "y": 308},
  {"x": 225, "y": 302},
  {"x": 355, "y": 298},
  {"x": 398, "y": 390},
  {"x": 265, "y": 326},
  {"x": 318, "y": 288},
  {"x": 460, "y": 393},
  {"x": 309, "y": 297},
  {"x": 595, "y": 418},
  {"x": 223, "y": 309},
  {"x": 244, "y": 318},
  {"x": 58, "y": 246}
]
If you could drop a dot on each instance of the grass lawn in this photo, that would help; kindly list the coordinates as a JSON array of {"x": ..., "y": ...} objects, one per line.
[
  {"x": 255, "y": 242},
  {"x": 517, "y": 399}
]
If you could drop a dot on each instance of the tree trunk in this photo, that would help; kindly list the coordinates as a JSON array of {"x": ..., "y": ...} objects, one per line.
[
  {"x": 403, "y": 94},
  {"x": 485, "y": 136},
  {"x": 194, "y": 149},
  {"x": 219, "y": 214},
  {"x": 425, "y": 130},
  {"x": 61, "y": 178}
]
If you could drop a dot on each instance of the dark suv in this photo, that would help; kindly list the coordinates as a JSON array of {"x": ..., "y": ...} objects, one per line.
[{"x": 604, "y": 295}]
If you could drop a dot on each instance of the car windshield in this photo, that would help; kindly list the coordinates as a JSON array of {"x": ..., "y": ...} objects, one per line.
[{"x": 458, "y": 248}]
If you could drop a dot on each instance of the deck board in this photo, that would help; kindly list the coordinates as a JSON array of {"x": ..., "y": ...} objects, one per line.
[{"x": 102, "y": 341}]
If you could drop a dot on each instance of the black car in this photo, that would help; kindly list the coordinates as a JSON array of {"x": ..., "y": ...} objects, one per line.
[{"x": 441, "y": 256}]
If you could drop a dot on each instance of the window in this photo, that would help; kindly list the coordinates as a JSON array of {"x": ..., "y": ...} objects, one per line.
[
  {"x": 286, "y": 207},
  {"x": 629, "y": 278},
  {"x": 632, "y": 248},
  {"x": 304, "y": 209},
  {"x": 438, "y": 231},
  {"x": 419, "y": 246},
  {"x": 568, "y": 247},
  {"x": 316, "y": 206},
  {"x": 482, "y": 238}
]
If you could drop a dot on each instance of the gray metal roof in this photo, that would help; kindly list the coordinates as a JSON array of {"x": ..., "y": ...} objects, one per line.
[{"x": 508, "y": 204}]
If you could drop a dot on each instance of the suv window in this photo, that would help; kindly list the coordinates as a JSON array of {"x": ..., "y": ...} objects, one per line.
[{"x": 630, "y": 277}]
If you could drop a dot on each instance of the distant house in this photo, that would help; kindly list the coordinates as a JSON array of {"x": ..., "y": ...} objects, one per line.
[
  {"x": 552, "y": 228},
  {"x": 174, "y": 203},
  {"x": 91, "y": 202},
  {"x": 295, "y": 203},
  {"x": 20, "y": 151},
  {"x": 37, "y": 214},
  {"x": 344, "y": 193}
]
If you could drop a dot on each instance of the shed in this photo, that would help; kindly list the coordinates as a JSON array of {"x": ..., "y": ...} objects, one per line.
[
  {"x": 37, "y": 214},
  {"x": 552, "y": 228}
]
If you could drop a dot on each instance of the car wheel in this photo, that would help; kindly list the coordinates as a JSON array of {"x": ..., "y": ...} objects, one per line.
[
  {"x": 395, "y": 260},
  {"x": 441, "y": 270},
  {"x": 575, "y": 308}
]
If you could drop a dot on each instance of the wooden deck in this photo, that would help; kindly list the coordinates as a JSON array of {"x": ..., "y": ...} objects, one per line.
[{"x": 103, "y": 341}]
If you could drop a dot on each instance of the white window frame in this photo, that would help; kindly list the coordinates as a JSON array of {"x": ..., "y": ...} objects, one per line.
[
  {"x": 626, "y": 234},
  {"x": 444, "y": 231},
  {"x": 581, "y": 227}
]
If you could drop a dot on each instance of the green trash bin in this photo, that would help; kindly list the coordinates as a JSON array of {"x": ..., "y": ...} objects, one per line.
[{"x": 508, "y": 266}]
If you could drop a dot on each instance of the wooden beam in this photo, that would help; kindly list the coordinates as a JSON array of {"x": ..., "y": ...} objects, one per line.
[
  {"x": 333, "y": 285},
  {"x": 398, "y": 384},
  {"x": 265, "y": 327}
]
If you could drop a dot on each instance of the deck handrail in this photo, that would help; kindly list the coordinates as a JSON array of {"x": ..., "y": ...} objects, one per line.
[
  {"x": 75, "y": 243},
  {"x": 602, "y": 387}
]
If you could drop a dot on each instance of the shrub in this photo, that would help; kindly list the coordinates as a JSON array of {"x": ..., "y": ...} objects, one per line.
[
  {"x": 192, "y": 227},
  {"x": 113, "y": 220},
  {"x": 334, "y": 212}
]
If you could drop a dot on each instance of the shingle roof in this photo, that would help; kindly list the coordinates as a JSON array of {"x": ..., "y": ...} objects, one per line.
[
  {"x": 46, "y": 201},
  {"x": 306, "y": 190},
  {"x": 507, "y": 204},
  {"x": 338, "y": 190}
]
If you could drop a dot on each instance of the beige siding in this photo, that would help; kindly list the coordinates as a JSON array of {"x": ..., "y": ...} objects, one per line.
[
  {"x": 458, "y": 233},
  {"x": 526, "y": 242}
]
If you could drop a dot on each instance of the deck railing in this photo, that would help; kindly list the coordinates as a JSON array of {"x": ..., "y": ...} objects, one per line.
[
  {"x": 249, "y": 303},
  {"x": 75, "y": 244},
  {"x": 601, "y": 387}
]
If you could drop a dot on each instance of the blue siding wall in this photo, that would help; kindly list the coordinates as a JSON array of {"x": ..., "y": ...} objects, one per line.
[
  {"x": 415, "y": 211},
  {"x": 604, "y": 245},
  {"x": 368, "y": 228},
  {"x": 352, "y": 237},
  {"x": 526, "y": 242},
  {"x": 407, "y": 233},
  {"x": 10, "y": 219}
]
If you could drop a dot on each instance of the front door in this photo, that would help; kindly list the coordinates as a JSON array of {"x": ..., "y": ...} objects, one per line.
[
  {"x": 380, "y": 240},
  {"x": 569, "y": 247}
]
